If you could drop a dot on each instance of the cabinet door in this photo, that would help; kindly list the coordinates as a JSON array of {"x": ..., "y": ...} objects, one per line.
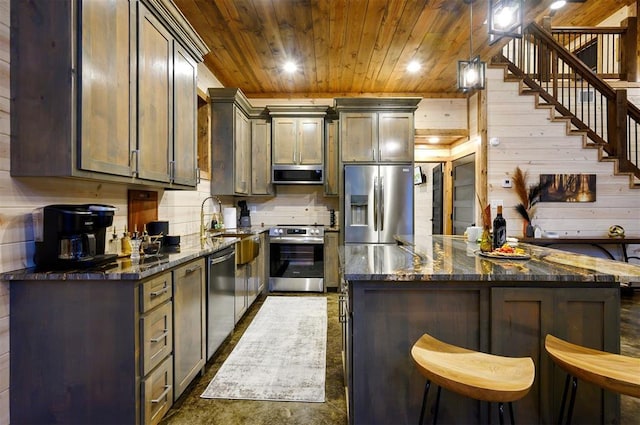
[
  {"x": 241, "y": 292},
  {"x": 520, "y": 320},
  {"x": 285, "y": 140},
  {"x": 395, "y": 136},
  {"x": 309, "y": 141},
  {"x": 331, "y": 268},
  {"x": 185, "y": 122},
  {"x": 106, "y": 129},
  {"x": 243, "y": 150},
  {"x": 189, "y": 315},
  {"x": 261, "y": 157},
  {"x": 155, "y": 99},
  {"x": 253, "y": 282},
  {"x": 331, "y": 176},
  {"x": 262, "y": 262},
  {"x": 358, "y": 136}
]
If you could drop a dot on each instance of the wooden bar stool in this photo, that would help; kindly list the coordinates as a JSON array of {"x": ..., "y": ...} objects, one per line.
[
  {"x": 613, "y": 372},
  {"x": 473, "y": 374}
]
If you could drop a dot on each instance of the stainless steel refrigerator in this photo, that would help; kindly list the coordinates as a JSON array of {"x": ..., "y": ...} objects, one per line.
[{"x": 378, "y": 202}]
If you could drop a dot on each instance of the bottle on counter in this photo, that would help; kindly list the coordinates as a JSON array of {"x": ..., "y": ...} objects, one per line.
[
  {"x": 499, "y": 229},
  {"x": 125, "y": 243},
  {"x": 113, "y": 242}
]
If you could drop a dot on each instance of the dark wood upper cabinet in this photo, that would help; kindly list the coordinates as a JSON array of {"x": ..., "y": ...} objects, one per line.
[{"x": 104, "y": 91}]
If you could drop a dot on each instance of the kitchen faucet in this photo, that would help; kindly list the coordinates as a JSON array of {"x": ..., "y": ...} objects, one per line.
[{"x": 203, "y": 229}]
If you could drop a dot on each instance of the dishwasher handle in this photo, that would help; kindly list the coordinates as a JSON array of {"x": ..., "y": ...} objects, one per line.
[{"x": 222, "y": 259}]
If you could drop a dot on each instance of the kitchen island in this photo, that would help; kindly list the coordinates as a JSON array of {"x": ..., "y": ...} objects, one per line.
[{"x": 442, "y": 286}]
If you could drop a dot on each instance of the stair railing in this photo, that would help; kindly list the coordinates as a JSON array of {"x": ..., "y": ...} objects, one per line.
[
  {"x": 564, "y": 81},
  {"x": 600, "y": 47}
]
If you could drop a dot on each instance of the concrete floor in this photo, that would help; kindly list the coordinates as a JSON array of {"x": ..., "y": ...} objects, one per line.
[{"x": 190, "y": 409}]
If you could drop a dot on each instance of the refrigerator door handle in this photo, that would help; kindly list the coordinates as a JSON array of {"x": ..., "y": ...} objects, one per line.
[
  {"x": 381, "y": 186},
  {"x": 375, "y": 204}
]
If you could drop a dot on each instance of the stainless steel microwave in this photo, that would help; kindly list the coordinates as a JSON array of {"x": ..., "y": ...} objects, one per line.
[{"x": 297, "y": 174}]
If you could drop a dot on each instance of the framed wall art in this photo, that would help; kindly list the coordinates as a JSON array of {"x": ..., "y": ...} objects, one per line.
[{"x": 568, "y": 187}]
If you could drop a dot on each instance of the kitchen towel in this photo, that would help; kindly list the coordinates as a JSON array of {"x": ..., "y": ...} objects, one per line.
[{"x": 280, "y": 357}]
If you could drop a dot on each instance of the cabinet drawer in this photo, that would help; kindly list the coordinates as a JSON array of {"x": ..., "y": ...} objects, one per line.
[
  {"x": 155, "y": 292},
  {"x": 156, "y": 336},
  {"x": 157, "y": 392}
]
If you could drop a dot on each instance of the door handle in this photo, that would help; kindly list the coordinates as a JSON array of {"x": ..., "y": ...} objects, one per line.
[
  {"x": 375, "y": 203},
  {"x": 381, "y": 203},
  {"x": 219, "y": 260}
]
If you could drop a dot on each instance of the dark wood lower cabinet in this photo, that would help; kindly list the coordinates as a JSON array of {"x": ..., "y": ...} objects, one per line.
[{"x": 387, "y": 318}]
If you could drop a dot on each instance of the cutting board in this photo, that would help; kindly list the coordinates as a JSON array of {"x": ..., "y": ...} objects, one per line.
[{"x": 142, "y": 207}]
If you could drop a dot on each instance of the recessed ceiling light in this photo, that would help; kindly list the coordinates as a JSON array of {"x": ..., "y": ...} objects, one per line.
[
  {"x": 414, "y": 66},
  {"x": 557, "y": 4},
  {"x": 434, "y": 139},
  {"x": 290, "y": 67}
]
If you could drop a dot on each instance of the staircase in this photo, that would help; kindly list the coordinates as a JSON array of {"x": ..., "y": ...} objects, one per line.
[{"x": 561, "y": 82}]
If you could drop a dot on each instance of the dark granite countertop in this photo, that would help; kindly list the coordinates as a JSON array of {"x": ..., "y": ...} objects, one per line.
[
  {"x": 125, "y": 269},
  {"x": 452, "y": 258}
]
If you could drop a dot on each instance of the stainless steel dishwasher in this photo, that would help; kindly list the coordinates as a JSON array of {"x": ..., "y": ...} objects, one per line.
[{"x": 221, "y": 276}]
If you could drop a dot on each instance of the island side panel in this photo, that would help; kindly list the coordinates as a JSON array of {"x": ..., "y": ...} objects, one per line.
[
  {"x": 72, "y": 352},
  {"x": 388, "y": 318}
]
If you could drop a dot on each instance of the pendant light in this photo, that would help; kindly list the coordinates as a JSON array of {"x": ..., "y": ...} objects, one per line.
[
  {"x": 505, "y": 19},
  {"x": 471, "y": 73}
]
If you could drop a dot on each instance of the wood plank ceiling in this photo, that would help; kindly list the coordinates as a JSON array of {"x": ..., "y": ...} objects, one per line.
[{"x": 354, "y": 47}]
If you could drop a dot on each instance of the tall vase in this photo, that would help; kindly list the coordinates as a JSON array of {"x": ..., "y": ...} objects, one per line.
[
  {"x": 528, "y": 230},
  {"x": 486, "y": 245}
]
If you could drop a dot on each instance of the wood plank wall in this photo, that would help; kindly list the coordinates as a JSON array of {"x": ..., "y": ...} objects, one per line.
[
  {"x": 4, "y": 169},
  {"x": 530, "y": 140}
]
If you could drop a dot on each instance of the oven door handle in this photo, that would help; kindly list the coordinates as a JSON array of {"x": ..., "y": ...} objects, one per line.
[{"x": 294, "y": 240}]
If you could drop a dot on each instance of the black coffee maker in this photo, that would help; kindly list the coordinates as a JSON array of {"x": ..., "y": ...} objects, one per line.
[{"x": 72, "y": 236}]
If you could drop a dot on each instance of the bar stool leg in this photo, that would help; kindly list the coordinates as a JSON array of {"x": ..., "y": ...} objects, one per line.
[
  {"x": 564, "y": 398},
  {"x": 501, "y": 412},
  {"x": 574, "y": 389},
  {"x": 513, "y": 421},
  {"x": 435, "y": 414},
  {"x": 424, "y": 401}
]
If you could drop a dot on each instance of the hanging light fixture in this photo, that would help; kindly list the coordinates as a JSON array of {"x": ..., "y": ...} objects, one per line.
[
  {"x": 471, "y": 72},
  {"x": 505, "y": 19}
]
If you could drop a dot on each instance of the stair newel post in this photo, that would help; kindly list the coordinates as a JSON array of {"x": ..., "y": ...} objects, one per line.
[
  {"x": 617, "y": 125},
  {"x": 630, "y": 61}
]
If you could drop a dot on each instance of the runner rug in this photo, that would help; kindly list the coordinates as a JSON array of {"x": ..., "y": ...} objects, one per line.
[{"x": 280, "y": 357}]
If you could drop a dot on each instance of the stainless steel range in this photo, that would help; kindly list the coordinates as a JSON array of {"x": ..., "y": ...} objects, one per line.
[{"x": 296, "y": 260}]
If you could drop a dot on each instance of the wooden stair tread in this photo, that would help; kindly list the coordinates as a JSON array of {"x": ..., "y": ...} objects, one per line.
[
  {"x": 474, "y": 374},
  {"x": 610, "y": 371}
]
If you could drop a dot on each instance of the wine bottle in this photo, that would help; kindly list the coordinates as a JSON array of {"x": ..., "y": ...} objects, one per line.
[{"x": 499, "y": 229}]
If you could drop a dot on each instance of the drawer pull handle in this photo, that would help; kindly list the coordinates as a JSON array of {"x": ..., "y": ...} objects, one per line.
[
  {"x": 162, "y": 336},
  {"x": 190, "y": 270},
  {"x": 162, "y": 291},
  {"x": 167, "y": 388}
]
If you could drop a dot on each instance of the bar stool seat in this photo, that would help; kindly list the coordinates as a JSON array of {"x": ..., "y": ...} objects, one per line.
[
  {"x": 477, "y": 375},
  {"x": 613, "y": 372}
]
